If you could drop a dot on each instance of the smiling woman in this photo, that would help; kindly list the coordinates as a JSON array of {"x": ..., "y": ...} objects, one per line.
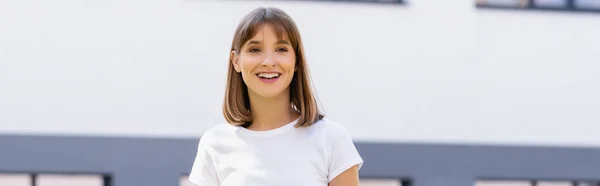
[{"x": 275, "y": 133}]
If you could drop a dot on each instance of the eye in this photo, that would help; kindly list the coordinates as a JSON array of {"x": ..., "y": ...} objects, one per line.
[
  {"x": 282, "y": 49},
  {"x": 254, "y": 50}
]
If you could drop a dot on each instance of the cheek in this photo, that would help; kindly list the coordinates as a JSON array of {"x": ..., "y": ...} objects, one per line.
[
  {"x": 288, "y": 64},
  {"x": 290, "y": 68},
  {"x": 247, "y": 64}
]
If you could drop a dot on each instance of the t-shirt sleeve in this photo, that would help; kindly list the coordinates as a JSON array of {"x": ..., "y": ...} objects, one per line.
[
  {"x": 343, "y": 153},
  {"x": 203, "y": 170}
]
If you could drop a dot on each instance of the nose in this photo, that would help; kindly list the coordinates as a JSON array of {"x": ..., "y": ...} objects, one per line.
[{"x": 269, "y": 61}]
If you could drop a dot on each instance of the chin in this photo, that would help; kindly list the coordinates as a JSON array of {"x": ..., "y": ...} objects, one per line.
[
  {"x": 268, "y": 91},
  {"x": 269, "y": 94}
]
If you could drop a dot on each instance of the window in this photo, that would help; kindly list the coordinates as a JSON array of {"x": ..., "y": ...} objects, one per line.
[
  {"x": 503, "y": 183},
  {"x": 554, "y": 5},
  {"x": 587, "y": 4},
  {"x": 68, "y": 180},
  {"x": 559, "y": 4},
  {"x": 534, "y": 183},
  {"x": 15, "y": 179},
  {"x": 354, "y": 1},
  {"x": 503, "y": 3},
  {"x": 53, "y": 180}
]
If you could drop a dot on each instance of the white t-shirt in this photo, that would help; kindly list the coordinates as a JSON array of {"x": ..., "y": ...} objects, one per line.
[{"x": 230, "y": 155}]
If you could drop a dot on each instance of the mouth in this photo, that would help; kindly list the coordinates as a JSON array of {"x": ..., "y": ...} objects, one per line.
[{"x": 268, "y": 77}]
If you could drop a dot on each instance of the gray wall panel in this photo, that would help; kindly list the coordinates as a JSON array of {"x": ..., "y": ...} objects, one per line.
[{"x": 161, "y": 162}]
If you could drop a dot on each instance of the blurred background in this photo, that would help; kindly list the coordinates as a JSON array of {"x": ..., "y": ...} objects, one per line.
[{"x": 460, "y": 92}]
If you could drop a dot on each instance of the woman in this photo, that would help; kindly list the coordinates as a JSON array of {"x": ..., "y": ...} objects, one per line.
[{"x": 275, "y": 134}]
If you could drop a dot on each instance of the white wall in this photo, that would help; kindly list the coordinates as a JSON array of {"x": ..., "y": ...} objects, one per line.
[{"x": 434, "y": 71}]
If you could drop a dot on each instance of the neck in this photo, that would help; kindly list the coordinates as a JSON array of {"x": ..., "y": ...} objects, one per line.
[{"x": 270, "y": 113}]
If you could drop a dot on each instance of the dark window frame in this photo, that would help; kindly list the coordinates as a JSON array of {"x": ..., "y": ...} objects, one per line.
[
  {"x": 569, "y": 7},
  {"x": 389, "y": 2}
]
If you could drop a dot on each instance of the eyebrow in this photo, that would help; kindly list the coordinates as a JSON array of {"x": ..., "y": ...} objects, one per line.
[{"x": 284, "y": 42}]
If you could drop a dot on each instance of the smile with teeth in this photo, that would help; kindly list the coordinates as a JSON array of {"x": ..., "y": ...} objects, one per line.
[{"x": 268, "y": 75}]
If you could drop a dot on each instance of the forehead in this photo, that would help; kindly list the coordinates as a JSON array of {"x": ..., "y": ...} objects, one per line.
[{"x": 265, "y": 31}]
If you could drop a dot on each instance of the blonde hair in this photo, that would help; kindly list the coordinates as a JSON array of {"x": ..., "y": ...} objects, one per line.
[{"x": 236, "y": 106}]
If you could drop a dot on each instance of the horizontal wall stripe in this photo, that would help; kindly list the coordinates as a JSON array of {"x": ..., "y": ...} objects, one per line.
[{"x": 162, "y": 161}]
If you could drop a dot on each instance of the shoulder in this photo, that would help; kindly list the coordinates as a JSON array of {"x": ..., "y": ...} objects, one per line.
[
  {"x": 331, "y": 128},
  {"x": 216, "y": 132}
]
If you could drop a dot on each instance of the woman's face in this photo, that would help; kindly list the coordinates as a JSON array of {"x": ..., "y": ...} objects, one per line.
[{"x": 266, "y": 63}]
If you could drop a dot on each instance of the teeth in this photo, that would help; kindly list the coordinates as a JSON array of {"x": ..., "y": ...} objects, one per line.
[{"x": 268, "y": 75}]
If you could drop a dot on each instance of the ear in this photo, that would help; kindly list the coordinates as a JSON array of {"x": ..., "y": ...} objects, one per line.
[{"x": 234, "y": 61}]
